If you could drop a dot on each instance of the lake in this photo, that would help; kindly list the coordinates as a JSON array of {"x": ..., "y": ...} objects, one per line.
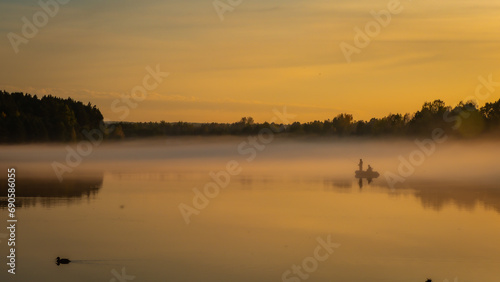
[{"x": 212, "y": 209}]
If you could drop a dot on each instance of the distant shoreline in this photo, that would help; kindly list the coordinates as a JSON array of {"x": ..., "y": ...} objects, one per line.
[{"x": 26, "y": 119}]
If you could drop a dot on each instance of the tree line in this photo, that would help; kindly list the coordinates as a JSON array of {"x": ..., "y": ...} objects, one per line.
[
  {"x": 465, "y": 119},
  {"x": 26, "y": 118}
]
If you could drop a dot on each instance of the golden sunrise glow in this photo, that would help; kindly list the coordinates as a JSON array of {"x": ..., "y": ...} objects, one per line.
[{"x": 264, "y": 54}]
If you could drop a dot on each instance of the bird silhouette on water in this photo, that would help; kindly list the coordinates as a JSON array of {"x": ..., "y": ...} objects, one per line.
[{"x": 62, "y": 261}]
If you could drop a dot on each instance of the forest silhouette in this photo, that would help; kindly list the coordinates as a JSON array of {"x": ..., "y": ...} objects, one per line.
[{"x": 26, "y": 118}]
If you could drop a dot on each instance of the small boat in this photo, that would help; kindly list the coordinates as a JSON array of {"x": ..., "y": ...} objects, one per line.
[{"x": 366, "y": 174}]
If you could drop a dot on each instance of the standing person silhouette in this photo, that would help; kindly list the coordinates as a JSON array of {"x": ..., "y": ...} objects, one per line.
[{"x": 360, "y": 164}]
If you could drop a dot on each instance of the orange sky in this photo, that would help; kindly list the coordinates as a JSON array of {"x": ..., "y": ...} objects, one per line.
[{"x": 264, "y": 54}]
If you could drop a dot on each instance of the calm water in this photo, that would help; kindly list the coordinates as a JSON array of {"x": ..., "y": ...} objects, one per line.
[{"x": 124, "y": 218}]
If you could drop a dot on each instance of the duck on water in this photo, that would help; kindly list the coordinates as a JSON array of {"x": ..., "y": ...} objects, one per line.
[{"x": 62, "y": 261}]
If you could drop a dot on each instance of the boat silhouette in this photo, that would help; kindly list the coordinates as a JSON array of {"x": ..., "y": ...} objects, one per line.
[
  {"x": 369, "y": 174},
  {"x": 366, "y": 174}
]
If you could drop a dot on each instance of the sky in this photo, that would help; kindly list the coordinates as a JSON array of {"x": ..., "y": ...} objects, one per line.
[{"x": 255, "y": 57}]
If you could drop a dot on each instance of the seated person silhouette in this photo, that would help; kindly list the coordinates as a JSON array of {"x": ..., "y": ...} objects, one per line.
[{"x": 369, "y": 169}]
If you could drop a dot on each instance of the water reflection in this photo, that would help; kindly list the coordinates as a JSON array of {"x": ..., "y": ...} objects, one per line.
[
  {"x": 255, "y": 229},
  {"x": 49, "y": 191},
  {"x": 467, "y": 196},
  {"x": 434, "y": 195}
]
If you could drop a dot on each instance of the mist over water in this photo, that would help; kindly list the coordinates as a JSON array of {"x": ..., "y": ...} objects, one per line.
[
  {"x": 463, "y": 172},
  {"x": 453, "y": 160}
]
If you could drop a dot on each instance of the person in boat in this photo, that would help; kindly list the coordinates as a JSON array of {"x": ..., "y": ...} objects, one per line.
[
  {"x": 370, "y": 169},
  {"x": 360, "y": 164}
]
